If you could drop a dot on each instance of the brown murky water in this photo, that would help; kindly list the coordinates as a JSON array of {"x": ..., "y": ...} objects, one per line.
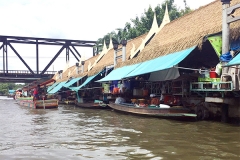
[{"x": 74, "y": 133}]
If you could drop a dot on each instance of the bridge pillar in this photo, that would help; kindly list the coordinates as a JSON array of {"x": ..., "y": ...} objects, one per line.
[{"x": 67, "y": 53}]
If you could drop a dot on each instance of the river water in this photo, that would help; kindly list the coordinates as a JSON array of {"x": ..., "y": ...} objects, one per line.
[{"x": 74, "y": 133}]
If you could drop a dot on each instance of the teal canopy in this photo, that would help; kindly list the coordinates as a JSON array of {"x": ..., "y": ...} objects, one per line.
[
  {"x": 72, "y": 81},
  {"x": 84, "y": 83},
  {"x": 160, "y": 63},
  {"x": 234, "y": 61},
  {"x": 11, "y": 91},
  {"x": 52, "y": 86},
  {"x": 57, "y": 88},
  {"x": 119, "y": 73},
  {"x": 157, "y": 64}
]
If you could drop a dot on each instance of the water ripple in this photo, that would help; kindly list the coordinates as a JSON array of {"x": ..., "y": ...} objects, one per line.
[{"x": 74, "y": 133}]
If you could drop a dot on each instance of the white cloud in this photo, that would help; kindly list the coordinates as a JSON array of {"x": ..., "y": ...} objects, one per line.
[{"x": 71, "y": 19}]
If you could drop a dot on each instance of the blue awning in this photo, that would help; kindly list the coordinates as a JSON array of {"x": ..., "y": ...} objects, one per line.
[
  {"x": 119, "y": 73},
  {"x": 52, "y": 86},
  {"x": 57, "y": 88},
  {"x": 160, "y": 63},
  {"x": 11, "y": 91},
  {"x": 234, "y": 61},
  {"x": 84, "y": 83},
  {"x": 72, "y": 81}
]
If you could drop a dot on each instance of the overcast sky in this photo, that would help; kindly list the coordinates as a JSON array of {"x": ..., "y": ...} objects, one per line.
[{"x": 67, "y": 19}]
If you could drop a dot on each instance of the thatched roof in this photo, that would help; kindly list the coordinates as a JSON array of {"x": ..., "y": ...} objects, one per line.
[
  {"x": 186, "y": 31},
  {"x": 71, "y": 71},
  {"x": 107, "y": 59}
]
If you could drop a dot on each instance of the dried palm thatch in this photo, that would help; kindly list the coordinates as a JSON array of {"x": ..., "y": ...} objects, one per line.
[
  {"x": 107, "y": 59},
  {"x": 72, "y": 71},
  {"x": 96, "y": 70},
  {"x": 186, "y": 31}
]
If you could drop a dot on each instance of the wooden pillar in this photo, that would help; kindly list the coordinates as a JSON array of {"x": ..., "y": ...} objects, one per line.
[{"x": 224, "y": 117}]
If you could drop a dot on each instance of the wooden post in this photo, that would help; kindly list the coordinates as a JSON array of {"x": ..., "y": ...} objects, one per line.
[{"x": 224, "y": 117}]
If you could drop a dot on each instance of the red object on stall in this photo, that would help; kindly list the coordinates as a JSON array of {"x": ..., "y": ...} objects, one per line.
[
  {"x": 115, "y": 90},
  {"x": 167, "y": 99},
  {"x": 213, "y": 74}
]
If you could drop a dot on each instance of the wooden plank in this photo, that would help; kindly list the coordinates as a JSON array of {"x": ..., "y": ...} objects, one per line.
[
  {"x": 233, "y": 19},
  {"x": 232, "y": 9}
]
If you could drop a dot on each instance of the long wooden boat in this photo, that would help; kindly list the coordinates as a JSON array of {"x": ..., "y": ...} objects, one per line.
[
  {"x": 92, "y": 105},
  {"x": 179, "y": 113},
  {"x": 37, "y": 104}
]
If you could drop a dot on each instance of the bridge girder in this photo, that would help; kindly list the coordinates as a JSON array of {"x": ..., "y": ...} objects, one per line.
[{"x": 67, "y": 44}]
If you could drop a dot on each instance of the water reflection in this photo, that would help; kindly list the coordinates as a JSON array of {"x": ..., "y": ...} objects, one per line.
[{"x": 74, "y": 133}]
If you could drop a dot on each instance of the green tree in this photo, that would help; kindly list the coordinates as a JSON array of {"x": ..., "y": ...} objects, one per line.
[
  {"x": 141, "y": 25},
  {"x": 4, "y": 87}
]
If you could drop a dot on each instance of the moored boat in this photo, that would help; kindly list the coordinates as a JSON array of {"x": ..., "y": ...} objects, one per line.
[
  {"x": 37, "y": 104},
  {"x": 177, "y": 112},
  {"x": 92, "y": 105}
]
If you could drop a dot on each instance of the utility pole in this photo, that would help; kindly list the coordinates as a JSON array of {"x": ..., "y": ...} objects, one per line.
[
  {"x": 227, "y": 11},
  {"x": 226, "y": 20}
]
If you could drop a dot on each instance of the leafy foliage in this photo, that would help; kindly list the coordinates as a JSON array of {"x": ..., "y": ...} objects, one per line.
[{"x": 4, "y": 87}]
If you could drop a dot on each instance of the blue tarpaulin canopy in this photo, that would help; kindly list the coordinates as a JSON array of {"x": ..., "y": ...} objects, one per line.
[
  {"x": 11, "y": 91},
  {"x": 235, "y": 46},
  {"x": 157, "y": 64},
  {"x": 72, "y": 81},
  {"x": 52, "y": 86},
  {"x": 119, "y": 73},
  {"x": 234, "y": 61},
  {"x": 57, "y": 88},
  {"x": 84, "y": 83},
  {"x": 160, "y": 63}
]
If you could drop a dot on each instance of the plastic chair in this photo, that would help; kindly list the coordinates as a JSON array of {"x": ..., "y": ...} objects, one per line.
[{"x": 232, "y": 74}]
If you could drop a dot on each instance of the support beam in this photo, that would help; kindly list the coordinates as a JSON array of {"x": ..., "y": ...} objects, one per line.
[
  {"x": 73, "y": 54},
  {"x": 20, "y": 58},
  {"x": 4, "y": 59},
  {"x": 1, "y": 46},
  {"x": 76, "y": 51},
  {"x": 224, "y": 109},
  {"x": 6, "y": 53},
  {"x": 67, "y": 53},
  {"x": 231, "y": 10},
  {"x": 37, "y": 57},
  {"x": 225, "y": 29},
  {"x": 54, "y": 58},
  {"x": 232, "y": 19},
  {"x": 48, "y": 43}
]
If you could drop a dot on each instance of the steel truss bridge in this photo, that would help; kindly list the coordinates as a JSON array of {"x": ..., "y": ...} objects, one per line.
[{"x": 29, "y": 75}]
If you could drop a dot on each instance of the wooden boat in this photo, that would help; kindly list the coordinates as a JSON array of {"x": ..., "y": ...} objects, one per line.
[
  {"x": 92, "y": 105},
  {"x": 37, "y": 104},
  {"x": 69, "y": 102},
  {"x": 179, "y": 113}
]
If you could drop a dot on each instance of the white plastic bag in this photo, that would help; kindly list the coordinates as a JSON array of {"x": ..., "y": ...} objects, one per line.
[
  {"x": 218, "y": 69},
  {"x": 120, "y": 100}
]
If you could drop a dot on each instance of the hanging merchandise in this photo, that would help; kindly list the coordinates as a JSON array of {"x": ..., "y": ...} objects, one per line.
[
  {"x": 216, "y": 42},
  {"x": 106, "y": 88}
]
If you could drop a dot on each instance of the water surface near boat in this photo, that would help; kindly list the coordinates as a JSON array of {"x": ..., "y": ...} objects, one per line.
[{"x": 75, "y": 133}]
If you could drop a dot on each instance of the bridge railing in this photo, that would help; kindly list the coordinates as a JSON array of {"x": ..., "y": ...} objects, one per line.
[{"x": 24, "y": 72}]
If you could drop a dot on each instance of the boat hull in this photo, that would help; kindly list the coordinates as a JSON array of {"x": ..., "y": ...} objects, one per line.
[
  {"x": 92, "y": 105},
  {"x": 38, "y": 104},
  {"x": 166, "y": 113}
]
